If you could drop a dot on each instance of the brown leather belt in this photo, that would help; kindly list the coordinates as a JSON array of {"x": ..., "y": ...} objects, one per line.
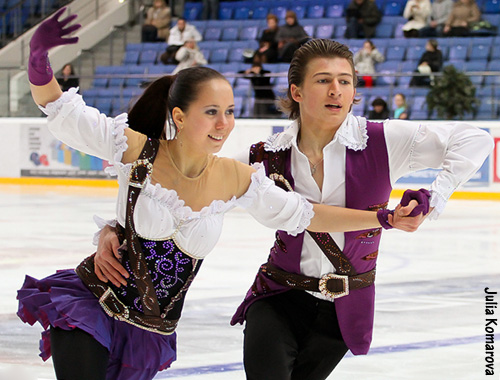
[
  {"x": 115, "y": 308},
  {"x": 331, "y": 285}
]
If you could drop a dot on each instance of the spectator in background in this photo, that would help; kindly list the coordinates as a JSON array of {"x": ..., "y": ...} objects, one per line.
[
  {"x": 210, "y": 9},
  {"x": 179, "y": 34},
  {"x": 157, "y": 24},
  {"x": 264, "y": 105},
  {"x": 68, "y": 79},
  {"x": 189, "y": 55},
  {"x": 362, "y": 16},
  {"x": 380, "y": 110},
  {"x": 440, "y": 11},
  {"x": 416, "y": 12},
  {"x": 364, "y": 63},
  {"x": 268, "y": 46},
  {"x": 430, "y": 62},
  {"x": 462, "y": 14},
  {"x": 289, "y": 37},
  {"x": 401, "y": 110}
]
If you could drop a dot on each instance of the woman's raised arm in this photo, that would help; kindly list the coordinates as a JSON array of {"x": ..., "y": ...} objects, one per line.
[{"x": 50, "y": 33}]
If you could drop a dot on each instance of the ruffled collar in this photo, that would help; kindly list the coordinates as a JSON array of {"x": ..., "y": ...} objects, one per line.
[{"x": 352, "y": 134}]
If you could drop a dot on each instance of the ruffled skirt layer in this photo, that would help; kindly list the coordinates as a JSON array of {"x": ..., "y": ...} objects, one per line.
[{"x": 62, "y": 300}]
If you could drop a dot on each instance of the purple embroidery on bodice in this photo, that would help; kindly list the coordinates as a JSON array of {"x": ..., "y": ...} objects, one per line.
[{"x": 171, "y": 272}]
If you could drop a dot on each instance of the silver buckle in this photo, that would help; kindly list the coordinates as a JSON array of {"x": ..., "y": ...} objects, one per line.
[
  {"x": 102, "y": 301},
  {"x": 332, "y": 276}
]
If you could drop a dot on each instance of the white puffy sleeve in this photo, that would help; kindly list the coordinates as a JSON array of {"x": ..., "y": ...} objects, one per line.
[
  {"x": 86, "y": 129},
  {"x": 274, "y": 207},
  {"x": 457, "y": 148}
]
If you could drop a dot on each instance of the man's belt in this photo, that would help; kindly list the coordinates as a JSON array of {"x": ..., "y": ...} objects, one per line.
[{"x": 331, "y": 285}]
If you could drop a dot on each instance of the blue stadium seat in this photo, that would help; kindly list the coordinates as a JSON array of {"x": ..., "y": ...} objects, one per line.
[
  {"x": 235, "y": 54},
  {"x": 225, "y": 11},
  {"x": 479, "y": 52},
  {"x": 279, "y": 11},
  {"x": 491, "y": 6},
  {"x": 131, "y": 57},
  {"x": 118, "y": 73},
  {"x": 315, "y": 11},
  {"x": 192, "y": 11},
  {"x": 309, "y": 29},
  {"x": 148, "y": 57},
  {"x": 134, "y": 46},
  {"x": 137, "y": 78},
  {"x": 219, "y": 55},
  {"x": 408, "y": 66},
  {"x": 340, "y": 31},
  {"x": 398, "y": 31},
  {"x": 212, "y": 34},
  {"x": 404, "y": 81},
  {"x": 333, "y": 11},
  {"x": 415, "y": 53},
  {"x": 393, "y": 8},
  {"x": 384, "y": 31},
  {"x": 248, "y": 33},
  {"x": 238, "y": 105},
  {"x": 492, "y": 80},
  {"x": 241, "y": 13},
  {"x": 488, "y": 109},
  {"x": 396, "y": 53},
  {"x": 457, "y": 52},
  {"x": 230, "y": 34},
  {"x": 299, "y": 10},
  {"x": 324, "y": 31},
  {"x": 260, "y": 12},
  {"x": 388, "y": 66},
  {"x": 105, "y": 105}
]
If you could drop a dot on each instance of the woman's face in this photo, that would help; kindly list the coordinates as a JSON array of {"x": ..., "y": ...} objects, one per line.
[
  {"x": 209, "y": 120},
  {"x": 271, "y": 23},
  {"x": 327, "y": 92},
  {"x": 429, "y": 47},
  {"x": 66, "y": 71}
]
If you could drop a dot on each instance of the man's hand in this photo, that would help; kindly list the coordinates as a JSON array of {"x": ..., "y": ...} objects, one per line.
[
  {"x": 401, "y": 219},
  {"x": 107, "y": 263}
]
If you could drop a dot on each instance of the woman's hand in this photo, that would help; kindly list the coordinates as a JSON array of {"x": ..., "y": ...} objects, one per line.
[
  {"x": 49, "y": 34},
  {"x": 107, "y": 261}
]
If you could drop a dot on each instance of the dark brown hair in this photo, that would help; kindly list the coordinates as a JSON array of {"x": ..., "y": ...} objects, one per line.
[
  {"x": 315, "y": 48},
  {"x": 154, "y": 108}
]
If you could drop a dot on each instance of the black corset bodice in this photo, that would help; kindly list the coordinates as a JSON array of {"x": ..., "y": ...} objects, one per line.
[{"x": 171, "y": 271}]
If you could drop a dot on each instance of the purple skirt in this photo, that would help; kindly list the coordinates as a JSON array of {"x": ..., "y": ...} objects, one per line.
[{"x": 62, "y": 300}]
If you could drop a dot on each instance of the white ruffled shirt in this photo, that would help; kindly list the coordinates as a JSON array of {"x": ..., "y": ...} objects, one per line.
[
  {"x": 459, "y": 149},
  {"x": 159, "y": 213}
]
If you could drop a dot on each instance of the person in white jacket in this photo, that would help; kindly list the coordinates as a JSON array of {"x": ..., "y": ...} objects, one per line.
[
  {"x": 417, "y": 13},
  {"x": 179, "y": 34},
  {"x": 189, "y": 56}
]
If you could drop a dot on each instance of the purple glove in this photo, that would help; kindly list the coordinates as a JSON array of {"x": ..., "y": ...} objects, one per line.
[
  {"x": 383, "y": 217},
  {"x": 421, "y": 196},
  {"x": 48, "y": 35}
]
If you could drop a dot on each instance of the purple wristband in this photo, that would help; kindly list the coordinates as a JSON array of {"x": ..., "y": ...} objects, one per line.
[
  {"x": 383, "y": 217},
  {"x": 422, "y": 196}
]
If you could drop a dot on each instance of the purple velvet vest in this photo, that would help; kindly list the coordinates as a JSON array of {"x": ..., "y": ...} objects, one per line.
[{"x": 367, "y": 187}]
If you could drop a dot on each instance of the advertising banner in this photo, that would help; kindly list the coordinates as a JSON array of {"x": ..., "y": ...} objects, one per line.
[
  {"x": 496, "y": 160},
  {"x": 42, "y": 155}
]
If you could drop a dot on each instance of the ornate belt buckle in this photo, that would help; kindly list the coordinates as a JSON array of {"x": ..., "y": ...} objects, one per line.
[
  {"x": 138, "y": 164},
  {"x": 323, "y": 281},
  {"x": 102, "y": 301}
]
